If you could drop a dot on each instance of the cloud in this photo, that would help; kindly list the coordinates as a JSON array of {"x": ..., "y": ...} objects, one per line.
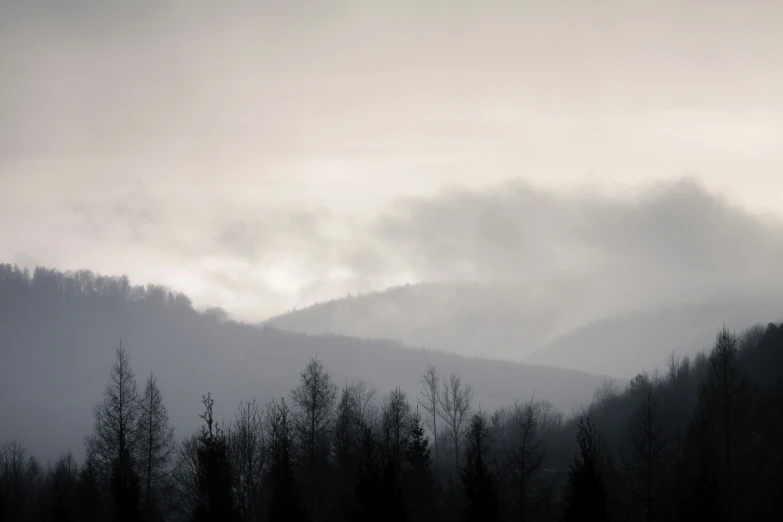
[
  {"x": 271, "y": 142},
  {"x": 670, "y": 241}
]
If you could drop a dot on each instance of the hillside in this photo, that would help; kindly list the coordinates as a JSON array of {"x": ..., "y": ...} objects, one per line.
[
  {"x": 58, "y": 334},
  {"x": 486, "y": 319},
  {"x": 563, "y": 329},
  {"x": 623, "y": 344}
]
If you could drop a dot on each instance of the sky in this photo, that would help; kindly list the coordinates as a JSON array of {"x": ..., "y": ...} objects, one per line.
[{"x": 261, "y": 156}]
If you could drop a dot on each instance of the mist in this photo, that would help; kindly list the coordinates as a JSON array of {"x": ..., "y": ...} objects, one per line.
[{"x": 349, "y": 260}]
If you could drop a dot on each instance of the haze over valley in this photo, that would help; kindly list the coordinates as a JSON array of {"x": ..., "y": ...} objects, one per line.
[{"x": 352, "y": 260}]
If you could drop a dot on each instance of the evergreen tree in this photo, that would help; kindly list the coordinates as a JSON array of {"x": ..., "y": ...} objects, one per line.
[
  {"x": 156, "y": 447},
  {"x": 116, "y": 420},
  {"x": 418, "y": 478},
  {"x": 215, "y": 481},
  {"x": 247, "y": 448},
  {"x": 125, "y": 489},
  {"x": 477, "y": 476},
  {"x": 314, "y": 399},
  {"x": 64, "y": 478},
  {"x": 89, "y": 499},
  {"x": 347, "y": 440},
  {"x": 585, "y": 491},
  {"x": 368, "y": 506},
  {"x": 723, "y": 416},
  {"x": 525, "y": 454},
  {"x": 285, "y": 501},
  {"x": 647, "y": 460}
]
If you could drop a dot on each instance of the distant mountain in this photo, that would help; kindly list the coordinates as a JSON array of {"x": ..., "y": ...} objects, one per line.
[
  {"x": 473, "y": 319},
  {"x": 551, "y": 324},
  {"x": 625, "y": 344},
  {"x": 58, "y": 334}
]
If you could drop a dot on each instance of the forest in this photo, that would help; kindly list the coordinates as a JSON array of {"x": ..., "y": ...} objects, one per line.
[{"x": 700, "y": 440}]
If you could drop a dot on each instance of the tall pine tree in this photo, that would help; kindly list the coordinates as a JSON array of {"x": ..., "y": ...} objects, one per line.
[
  {"x": 586, "y": 493},
  {"x": 477, "y": 475},
  {"x": 418, "y": 477},
  {"x": 215, "y": 481}
]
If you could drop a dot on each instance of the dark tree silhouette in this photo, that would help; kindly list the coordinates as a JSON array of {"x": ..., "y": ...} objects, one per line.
[
  {"x": 723, "y": 414},
  {"x": 125, "y": 489},
  {"x": 314, "y": 401},
  {"x": 525, "y": 456},
  {"x": 454, "y": 408},
  {"x": 368, "y": 505},
  {"x": 647, "y": 459},
  {"x": 113, "y": 442},
  {"x": 20, "y": 475},
  {"x": 156, "y": 448},
  {"x": 215, "y": 481},
  {"x": 64, "y": 478},
  {"x": 477, "y": 475},
  {"x": 585, "y": 493},
  {"x": 285, "y": 500},
  {"x": 418, "y": 478},
  {"x": 90, "y": 504},
  {"x": 429, "y": 399},
  {"x": 247, "y": 448},
  {"x": 347, "y": 442}
]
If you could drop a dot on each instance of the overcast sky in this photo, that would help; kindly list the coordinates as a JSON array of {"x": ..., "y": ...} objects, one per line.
[{"x": 271, "y": 154}]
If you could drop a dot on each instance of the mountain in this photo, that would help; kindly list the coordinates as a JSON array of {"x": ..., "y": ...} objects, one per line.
[
  {"x": 623, "y": 344},
  {"x": 565, "y": 325},
  {"x": 59, "y": 331},
  {"x": 487, "y": 319}
]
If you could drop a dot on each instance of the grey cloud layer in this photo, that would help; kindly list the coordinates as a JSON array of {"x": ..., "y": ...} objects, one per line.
[
  {"x": 672, "y": 238},
  {"x": 258, "y": 155}
]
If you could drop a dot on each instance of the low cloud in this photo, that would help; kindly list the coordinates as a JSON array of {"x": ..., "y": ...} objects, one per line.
[{"x": 672, "y": 241}]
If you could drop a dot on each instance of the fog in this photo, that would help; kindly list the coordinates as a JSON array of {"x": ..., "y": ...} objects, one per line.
[
  {"x": 572, "y": 210},
  {"x": 262, "y": 156}
]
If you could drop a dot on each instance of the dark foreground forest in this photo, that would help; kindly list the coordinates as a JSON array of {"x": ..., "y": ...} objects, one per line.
[{"x": 702, "y": 440}]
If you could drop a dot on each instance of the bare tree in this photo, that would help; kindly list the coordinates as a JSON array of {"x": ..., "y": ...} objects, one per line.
[
  {"x": 526, "y": 453},
  {"x": 64, "y": 477},
  {"x": 724, "y": 410},
  {"x": 429, "y": 399},
  {"x": 247, "y": 450},
  {"x": 454, "y": 407},
  {"x": 350, "y": 414},
  {"x": 20, "y": 478},
  {"x": 156, "y": 445},
  {"x": 645, "y": 465},
  {"x": 396, "y": 427},
  {"x": 314, "y": 399},
  {"x": 185, "y": 478},
  {"x": 284, "y": 501},
  {"x": 115, "y": 434},
  {"x": 363, "y": 396}
]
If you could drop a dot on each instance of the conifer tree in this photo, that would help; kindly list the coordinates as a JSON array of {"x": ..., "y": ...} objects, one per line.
[
  {"x": 113, "y": 445},
  {"x": 156, "y": 447},
  {"x": 418, "y": 478},
  {"x": 285, "y": 500},
  {"x": 368, "y": 506},
  {"x": 477, "y": 475},
  {"x": 314, "y": 399},
  {"x": 585, "y": 493},
  {"x": 215, "y": 481}
]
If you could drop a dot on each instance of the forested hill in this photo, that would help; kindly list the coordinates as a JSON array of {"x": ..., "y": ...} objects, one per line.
[
  {"x": 561, "y": 326},
  {"x": 699, "y": 441},
  {"x": 59, "y": 332}
]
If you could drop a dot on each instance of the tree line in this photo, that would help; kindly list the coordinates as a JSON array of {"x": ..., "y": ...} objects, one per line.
[{"x": 702, "y": 440}]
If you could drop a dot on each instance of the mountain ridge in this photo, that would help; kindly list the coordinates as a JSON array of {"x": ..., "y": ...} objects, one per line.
[{"x": 58, "y": 334}]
